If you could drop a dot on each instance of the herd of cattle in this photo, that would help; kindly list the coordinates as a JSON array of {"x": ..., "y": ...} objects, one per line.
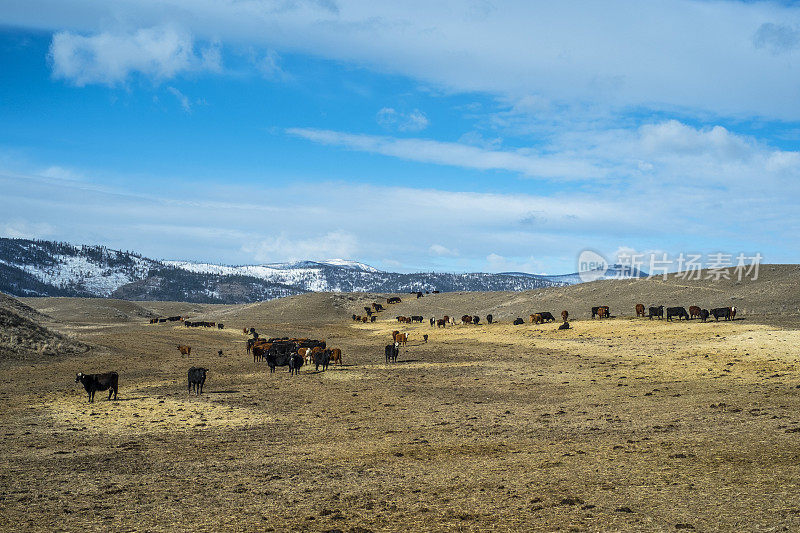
[
  {"x": 293, "y": 353},
  {"x": 188, "y": 324}
]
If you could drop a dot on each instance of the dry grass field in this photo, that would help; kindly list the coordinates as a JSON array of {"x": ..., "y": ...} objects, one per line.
[{"x": 616, "y": 425}]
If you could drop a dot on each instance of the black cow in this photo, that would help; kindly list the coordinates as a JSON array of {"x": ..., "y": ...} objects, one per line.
[
  {"x": 392, "y": 351},
  {"x": 704, "y": 314},
  {"x": 518, "y": 321},
  {"x": 679, "y": 312},
  {"x": 476, "y": 320},
  {"x": 99, "y": 382},
  {"x": 721, "y": 312},
  {"x": 321, "y": 359},
  {"x": 197, "y": 377},
  {"x": 277, "y": 356},
  {"x": 656, "y": 311},
  {"x": 489, "y": 318},
  {"x": 220, "y": 325},
  {"x": 373, "y": 318},
  {"x": 295, "y": 362},
  {"x": 433, "y": 322},
  {"x": 547, "y": 316},
  {"x": 419, "y": 295},
  {"x": 565, "y": 325},
  {"x": 417, "y": 318}
]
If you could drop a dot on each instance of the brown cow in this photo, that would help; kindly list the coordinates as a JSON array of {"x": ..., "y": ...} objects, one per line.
[
  {"x": 305, "y": 353},
  {"x": 185, "y": 350},
  {"x": 244, "y": 330},
  {"x": 466, "y": 319},
  {"x": 694, "y": 311},
  {"x": 564, "y": 315},
  {"x": 441, "y": 323},
  {"x": 640, "y": 310},
  {"x": 536, "y": 319},
  {"x": 602, "y": 312},
  {"x": 336, "y": 356},
  {"x": 446, "y": 319},
  {"x": 401, "y": 338}
]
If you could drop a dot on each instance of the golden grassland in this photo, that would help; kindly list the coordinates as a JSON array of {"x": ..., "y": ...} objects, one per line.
[{"x": 615, "y": 425}]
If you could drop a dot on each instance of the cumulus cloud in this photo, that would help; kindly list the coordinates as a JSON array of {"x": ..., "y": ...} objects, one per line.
[
  {"x": 438, "y": 249},
  {"x": 391, "y": 119},
  {"x": 158, "y": 53},
  {"x": 616, "y": 54}
]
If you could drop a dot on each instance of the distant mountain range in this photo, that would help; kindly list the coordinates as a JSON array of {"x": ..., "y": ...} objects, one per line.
[{"x": 47, "y": 268}]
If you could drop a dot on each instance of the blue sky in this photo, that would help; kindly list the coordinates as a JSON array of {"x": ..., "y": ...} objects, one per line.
[{"x": 460, "y": 136}]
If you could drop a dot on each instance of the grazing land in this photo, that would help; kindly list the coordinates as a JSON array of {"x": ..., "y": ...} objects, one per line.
[{"x": 618, "y": 424}]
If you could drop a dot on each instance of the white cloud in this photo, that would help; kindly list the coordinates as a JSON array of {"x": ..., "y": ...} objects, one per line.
[
  {"x": 498, "y": 263},
  {"x": 24, "y": 229},
  {"x": 391, "y": 119},
  {"x": 270, "y": 66},
  {"x": 335, "y": 244},
  {"x": 456, "y": 154},
  {"x": 438, "y": 249},
  {"x": 675, "y": 54},
  {"x": 110, "y": 58},
  {"x": 182, "y": 98}
]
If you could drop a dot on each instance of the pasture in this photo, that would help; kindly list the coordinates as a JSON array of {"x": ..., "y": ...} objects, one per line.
[{"x": 619, "y": 424}]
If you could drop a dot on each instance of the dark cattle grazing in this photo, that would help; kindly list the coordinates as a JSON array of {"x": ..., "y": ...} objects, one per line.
[
  {"x": 425, "y": 337},
  {"x": 476, "y": 320},
  {"x": 656, "y": 311},
  {"x": 565, "y": 325},
  {"x": 417, "y": 318},
  {"x": 704, "y": 314},
  {"x": 679, "y": 312},
  {"x": 295, "y": 362},
  {"x": 547, "y": 316},
  {"x": 393, "y": 300},
  {"x": 518, "y": 321},
  {"x": 721, "y": 312},
  {"x": 441, "y": 323},
  {"x": 392, "y": 351},
  {"x": 99, "y": 382},
  {"x": 373, "y": 318},
  {"x": 489, "y": 319},
  {"x": 220, "y": 325},
  {"x": 197, "y": 377},
  {"x": 639, "y": 310},
  {"x": 694, "y": 311}
]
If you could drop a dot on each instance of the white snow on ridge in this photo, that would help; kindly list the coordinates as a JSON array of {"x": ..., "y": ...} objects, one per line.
[
  {"x": 78, "y": 271},
  {"x": 306, "y": 274}
]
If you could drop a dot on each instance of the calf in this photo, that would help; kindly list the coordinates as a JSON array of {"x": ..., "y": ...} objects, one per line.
[
  {"x": 185, "y": 350},
  {"x": 373, "y": 318},
  {"x": 433, "y": 322},
  {"x": 656, "y": 311},
  {"x": 295, "y": 362},
  {"x": 425, "y": 337},
  {"x": 694, "y": 311},
  {"x": 336, "y": 356},
  {"x": 518, "y": 322},
  {"x": 99, "y": 382},
  {"x": 565, "y": 325},
  {"x": 679, "y": 312},
  {"x": 197, "y": 377},
  {"x": 640, "y": 310},
  {"x": 220, "y": 325}
]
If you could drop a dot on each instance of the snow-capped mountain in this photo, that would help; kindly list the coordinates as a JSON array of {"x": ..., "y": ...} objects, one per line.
[{"x": 45, "y": 268}]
